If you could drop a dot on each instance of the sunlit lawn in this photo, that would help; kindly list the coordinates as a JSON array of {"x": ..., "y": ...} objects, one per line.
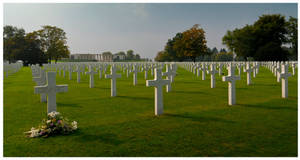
[{"x": 196, "y": 122}]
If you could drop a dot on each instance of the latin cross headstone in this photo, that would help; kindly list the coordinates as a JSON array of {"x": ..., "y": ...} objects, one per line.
[
  {"x": 231, "y": 78},
  {"x": 70, "y": 71},
  {"x": 40, "y": 81},
  {"x": 168, "y": 77},
  {"x": 51, "y": 89},
  {"x": 135, "y": 71},
  {"x": 78, "y": 71},
  {"x": 113, "y": 76},
  {"x": 284, "y": 80},
  {"x": 248, "y": 70},
  {"x": 212, "y": 73},
  {"x": 203, "y": 69},
  {"x": 100, "y": 70},
  {"x": 293, "y": 68},
  {"x": 220, "y": 69},
  {"x": 91, "y": 72},
  {"x": 158, "y": 83}
]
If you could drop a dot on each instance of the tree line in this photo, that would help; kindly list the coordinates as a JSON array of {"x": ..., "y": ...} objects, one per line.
[
  {"x": 129, "y": 55},
  {"x": 37, "y": 47},
  {"x": 270, "y": 38}
]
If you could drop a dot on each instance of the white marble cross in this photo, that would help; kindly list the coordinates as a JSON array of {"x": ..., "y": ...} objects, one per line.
[
  {"x": 231, "y": 78},
  {"x": 146, "y": 69},
  {"x": 278, "y": 71},
  {"x": 220, "y": 68},
  {"x": 64, "y": 70},
  {"x": 197, "y": 69},
  {"x": 203, "y": 69},
  {"x": 168, "y": 75},
  {"x": 239, "y": 66},
  {"x": 135, "y": 71},
  {"x": 248, "y": 70},
  {"x": 91, "y": 72},
  {"x": 51, "y": 89},
  {"x": 70, "y": 71},
  {"x": 284, "y": 80},
  {"x": 173, "y": 71},
  {"x": 78, "y": 70},
  {"x": 113, "y": 76},
  {"x": 212, "y": 73},
  {"x": 40, "y": 81},
  {"x": 100, "y": 70},
  {"x": 158, "y": 83},
  {"x": 293, "y": 68}
]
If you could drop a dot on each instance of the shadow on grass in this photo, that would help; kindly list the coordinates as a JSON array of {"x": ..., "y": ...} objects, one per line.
[
  {"x": 102, "y": 88},
  {"x": 198, "y": 119},
  {"x": 107, "y": 138},
  {"x": 269, "y": 85},
  {"x": 190, "y": 82},
  {"x": 68, "y": 105},
  {"x": 135, "y": 98},
  {"x": 268, "y": 106},
  {"x": 189, "y": 92}
]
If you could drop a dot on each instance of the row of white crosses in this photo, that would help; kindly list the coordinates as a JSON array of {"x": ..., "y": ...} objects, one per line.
[
  {"x": 280, "y": 70},
  {"x": 11, "y": 68},
  {"x": 46, "y": 87},
  {"x": 231, "y": 78},
  {"x": 159, "y": 82}
]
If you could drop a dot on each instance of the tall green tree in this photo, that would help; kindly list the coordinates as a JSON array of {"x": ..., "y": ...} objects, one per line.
[
  {"x": 162, "y": 56},
  {"x": 13, "y": 42},
  {"x": 122, "y": 53},
  {"x": 137, "y": 57},
  {"x": 130, "y": 55},
  {"x": 54, "y": 42},
  {"x": 107, "y": 53},
  {"x": 174, "y": 53},
  {"x": 253, "y": 40},
  {"x": 292, "y": 36},
  {"x": 21, "y": 46},
  {"x": 192, "y": 44},
  {"x": 32, "y": 52}
]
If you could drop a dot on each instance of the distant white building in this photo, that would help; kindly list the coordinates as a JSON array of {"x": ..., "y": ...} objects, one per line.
[{"x": 91, "y": 57}]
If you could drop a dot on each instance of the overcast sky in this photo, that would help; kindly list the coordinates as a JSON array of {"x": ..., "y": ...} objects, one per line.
[{"x": 145, "y": 28}]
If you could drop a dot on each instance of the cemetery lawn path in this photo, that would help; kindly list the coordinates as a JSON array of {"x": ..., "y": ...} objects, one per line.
[{"x": 196, "y": 122}]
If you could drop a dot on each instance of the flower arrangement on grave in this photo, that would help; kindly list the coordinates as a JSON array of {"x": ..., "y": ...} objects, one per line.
[{"x": 55, "y": 124}]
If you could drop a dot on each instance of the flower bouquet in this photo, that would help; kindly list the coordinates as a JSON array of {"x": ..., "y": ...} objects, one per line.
[{"x": 54, "y": 124}]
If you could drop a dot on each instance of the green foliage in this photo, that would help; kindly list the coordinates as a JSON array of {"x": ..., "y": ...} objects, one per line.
[
  {"x": 129, "y": 55},
  {"x": 171, "y": 52},
  {"x": 224, "y": 56},
  {"x": 137, "y": 57},
  {"x": 36, "y": 47},
  {"x": 107, "y": 53},
  {"x": 292, "y": 36},
  {"x": 271, "y": 51},
  {"x": 21, "y": 46},
  {"x": 53, "y": 42},
  {"x": 252, "y": 40},
  {"x": 187, "y": 45},
  {"x": 13, "y": 42},
  {"x": 223, "y": 50},
  {"x": 121, "y": 53},
  {"x": 162, "y": 56}
]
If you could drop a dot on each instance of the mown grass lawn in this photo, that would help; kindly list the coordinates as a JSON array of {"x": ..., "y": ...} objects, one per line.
[{"x": 196, "y": 122}]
